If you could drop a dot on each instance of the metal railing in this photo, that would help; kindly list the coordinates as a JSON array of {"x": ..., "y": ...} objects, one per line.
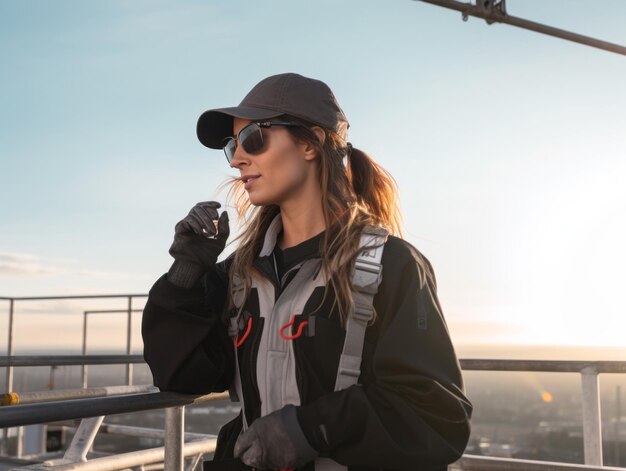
[
  {"x": 10, "y": 333},
  {"x": 130, "y": 310},
  {"x": 488, "y": 463},
  {"x": 13, "y": 398},
  {"x": 29, "y": 414},
  {"x": 174, "y": 403},
  {"x": 69, "y": 360},
  {"x": 589, "y": 371},
  {"x": 129, "y": 371},
  {"x": 93, "y": 410}
]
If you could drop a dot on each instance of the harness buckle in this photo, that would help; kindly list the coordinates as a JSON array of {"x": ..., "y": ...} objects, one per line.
[
  {"x": 352, "y": 372},
  {"x": 367, "y": 276},
  {"x": 363, "y": 312}
]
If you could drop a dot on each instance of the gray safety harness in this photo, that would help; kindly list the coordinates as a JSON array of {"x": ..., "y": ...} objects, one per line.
[
  {"x": 367, "y": 275},
  {"x": 366, "y": 278},
  {"x": 275, "y": 369}
]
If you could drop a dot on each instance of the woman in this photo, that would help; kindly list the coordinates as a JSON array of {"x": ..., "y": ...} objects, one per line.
[{"x": 325, "y": 327}]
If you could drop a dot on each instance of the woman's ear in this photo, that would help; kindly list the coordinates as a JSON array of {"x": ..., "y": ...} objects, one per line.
[
  {"x": 320, "y": 133},
  {"x": 310, "y": 150}
]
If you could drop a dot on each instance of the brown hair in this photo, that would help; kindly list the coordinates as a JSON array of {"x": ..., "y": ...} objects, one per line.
[{"x": 354, "y": 195}]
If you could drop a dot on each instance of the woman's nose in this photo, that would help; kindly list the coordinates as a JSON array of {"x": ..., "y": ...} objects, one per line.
[{"x": 240, "y": 158}]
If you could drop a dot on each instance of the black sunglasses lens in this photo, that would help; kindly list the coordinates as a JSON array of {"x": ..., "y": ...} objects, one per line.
[
  {"x": 229, "y": 148},
  {"x": 251, "y": 138}
]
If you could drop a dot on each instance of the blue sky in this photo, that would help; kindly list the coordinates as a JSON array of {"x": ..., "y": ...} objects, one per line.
[{"x": 508, "y": 146}]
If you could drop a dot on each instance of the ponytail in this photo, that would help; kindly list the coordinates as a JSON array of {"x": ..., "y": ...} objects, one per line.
[{"x": 375, "y": 189}]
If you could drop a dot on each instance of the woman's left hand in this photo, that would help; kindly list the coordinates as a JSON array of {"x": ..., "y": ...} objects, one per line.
[{"x": 275, "y": 441}]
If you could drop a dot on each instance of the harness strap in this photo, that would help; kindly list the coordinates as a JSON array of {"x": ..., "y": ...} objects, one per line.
[
  {"x": 366, "y": 278},
  {"x": 235, "y": 392}
]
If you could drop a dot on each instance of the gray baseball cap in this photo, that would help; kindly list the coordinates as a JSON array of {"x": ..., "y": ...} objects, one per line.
[{"x": 283, "y": 94}]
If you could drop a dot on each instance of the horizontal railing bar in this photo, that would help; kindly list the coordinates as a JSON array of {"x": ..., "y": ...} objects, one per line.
[
  {"x": 66, "y": 360},
  {"x": 29, "y": 414},
  {"x": 12, "y": 462},
  {"x": 128, "y": 460},
  {"x": 80, "y": 408},
  {"x": 552, "y": 366},
  {"x": 143, "y": 432},
  {"x": 467, "y": 364},
  {"x": 84, "y": 296},
  {"x": 32, "y": 397},
  {"x": 488, "y": 463},
  {"x": 111, "y": 311}
]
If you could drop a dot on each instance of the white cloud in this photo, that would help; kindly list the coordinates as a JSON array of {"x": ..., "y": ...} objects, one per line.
[
  {"x": 104, "y": 274},
  {"x": 16, "y": 257},
  {"x": 22, "y": 264},
  {"x": 13, "y": 264}
]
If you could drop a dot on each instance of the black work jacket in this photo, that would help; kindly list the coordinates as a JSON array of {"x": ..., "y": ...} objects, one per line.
[{"x": 408, "y": 411}]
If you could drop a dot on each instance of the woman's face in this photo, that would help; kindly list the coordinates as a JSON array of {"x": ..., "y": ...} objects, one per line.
[{"x": 284, "y": 169}]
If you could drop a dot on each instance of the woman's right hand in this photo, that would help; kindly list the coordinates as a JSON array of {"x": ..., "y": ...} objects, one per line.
[{"x": 198, "y": 240}]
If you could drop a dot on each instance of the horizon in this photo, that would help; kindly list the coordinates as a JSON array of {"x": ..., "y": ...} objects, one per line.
[{"x": 33, "y": 323}]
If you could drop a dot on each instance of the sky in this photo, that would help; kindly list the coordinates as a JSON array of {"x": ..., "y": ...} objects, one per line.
[{"x": 508, "y": 147}]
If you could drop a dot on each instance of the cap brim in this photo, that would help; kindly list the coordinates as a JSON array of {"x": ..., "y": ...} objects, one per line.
[{"x": 216, "y": 125}]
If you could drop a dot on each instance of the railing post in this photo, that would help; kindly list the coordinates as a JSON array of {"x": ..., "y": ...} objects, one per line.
[
  {"x": 10, "y": 347},
  {"x": 84, "y": 368},
  {"x": 19, "y": 451},
  {"x": 174, "y": 438},
  {"x": 592, "y": 425},
  {"x": 129, "y": 366},
  {"x": 4, "y": 443},
  {"x": 193, "y": 463},
  {"x": 618, "y": 419},
  {"x": 83, "y": 440}
]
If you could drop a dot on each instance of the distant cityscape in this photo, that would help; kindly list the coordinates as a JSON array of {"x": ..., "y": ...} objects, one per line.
[
  {"x": 538, "y": 416},
  {"x": 520, "y": 415}
]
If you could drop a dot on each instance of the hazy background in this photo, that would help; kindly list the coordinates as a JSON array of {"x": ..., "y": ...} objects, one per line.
[{"x": 508, "y": 147}]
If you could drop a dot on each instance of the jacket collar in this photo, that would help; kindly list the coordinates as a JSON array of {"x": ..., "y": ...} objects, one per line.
[
  {"x": 271, "y": 236},
  {"x": 264, "y": 262}
]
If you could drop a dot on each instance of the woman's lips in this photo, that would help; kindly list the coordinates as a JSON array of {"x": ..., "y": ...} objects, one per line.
[{"x": 248, "y": 180}]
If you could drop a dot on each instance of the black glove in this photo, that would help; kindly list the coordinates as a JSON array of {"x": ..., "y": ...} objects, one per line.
[
  {"x": 198, "y": 241},
  {"x": 275, "y": 441}
]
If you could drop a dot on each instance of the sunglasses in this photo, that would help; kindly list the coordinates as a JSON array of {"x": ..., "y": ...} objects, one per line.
[{"x": 250, "y": 138}]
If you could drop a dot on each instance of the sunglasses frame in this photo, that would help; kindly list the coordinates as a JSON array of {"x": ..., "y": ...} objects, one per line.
[{"x": 230, "y": 143}]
